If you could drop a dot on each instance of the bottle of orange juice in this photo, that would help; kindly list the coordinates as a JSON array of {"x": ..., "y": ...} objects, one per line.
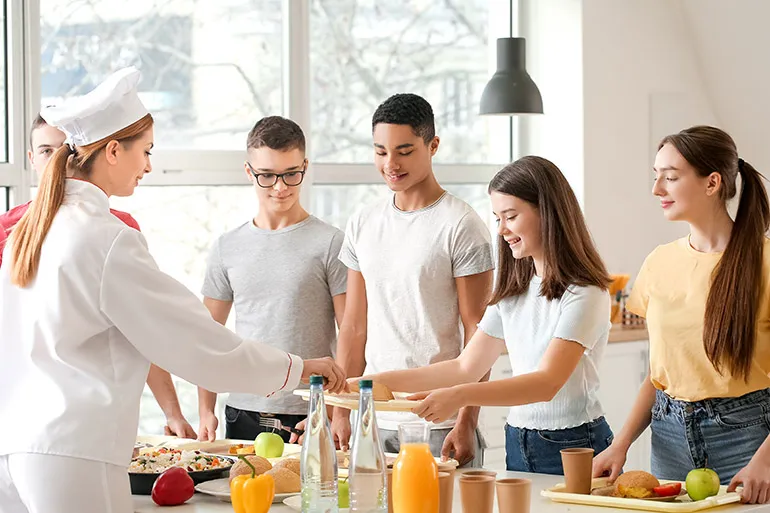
[{"x": 415, "y": 473}]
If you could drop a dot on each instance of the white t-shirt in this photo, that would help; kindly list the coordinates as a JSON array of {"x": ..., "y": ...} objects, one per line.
[
  {"x": 528, "y": 323},
  {"x": 409, "y": 261}
]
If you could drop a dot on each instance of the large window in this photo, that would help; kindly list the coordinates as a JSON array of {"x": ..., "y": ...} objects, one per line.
[
  {"x": 180, "y": 223},
  {"x": 336, "y": 203},
  {"x": 212, "y": 69}
]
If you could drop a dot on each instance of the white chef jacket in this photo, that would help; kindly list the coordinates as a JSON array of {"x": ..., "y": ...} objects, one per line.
[{"x": 76, "y": 345}]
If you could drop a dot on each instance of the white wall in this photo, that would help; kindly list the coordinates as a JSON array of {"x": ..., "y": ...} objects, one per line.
[
  {"x": 641, "y": 80},
  {"x": 733, "y": 46},
  {"x": 553, "y": 30}
]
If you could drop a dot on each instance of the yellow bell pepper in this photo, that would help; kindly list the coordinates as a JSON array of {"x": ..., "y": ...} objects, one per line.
[{"x": 252, "y": 493}]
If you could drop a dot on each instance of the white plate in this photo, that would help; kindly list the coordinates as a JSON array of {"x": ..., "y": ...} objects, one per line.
[
  {"x": 295, "y": 503},
  {"x": 220, "y": 488}
]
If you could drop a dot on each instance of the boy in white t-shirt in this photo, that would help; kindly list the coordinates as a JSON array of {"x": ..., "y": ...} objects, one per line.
[{"x": 419, "y": 275}]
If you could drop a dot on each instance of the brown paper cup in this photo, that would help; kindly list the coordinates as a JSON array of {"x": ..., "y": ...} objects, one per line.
[
  {"x": 513, "y": 495},
  {"x": 577, "y": 465},
  {"x": 490, "y": 473},
  {"x": 477, "y": 493},
  {"x": 447, "y": 466},
  {"x": 446, "y": 487}
]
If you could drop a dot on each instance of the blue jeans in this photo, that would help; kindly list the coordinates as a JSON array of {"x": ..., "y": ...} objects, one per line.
[
  {"x": 722, "y": 434},
  {"x": 532, "y": 450}
]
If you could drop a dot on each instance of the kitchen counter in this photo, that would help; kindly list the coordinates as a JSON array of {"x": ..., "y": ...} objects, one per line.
[
  {"x": 206, "y": 504},
  {"x": 619, "y": 333}
]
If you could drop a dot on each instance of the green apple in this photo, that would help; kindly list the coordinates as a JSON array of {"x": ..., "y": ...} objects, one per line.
[
  {"x": 702, "y": 483},
  {"x": 343, "y": 493},
  {"x": 268, "y": 445}
]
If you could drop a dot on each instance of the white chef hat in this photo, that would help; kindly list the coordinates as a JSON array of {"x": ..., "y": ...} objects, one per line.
[{"x": 111, "y": 106}]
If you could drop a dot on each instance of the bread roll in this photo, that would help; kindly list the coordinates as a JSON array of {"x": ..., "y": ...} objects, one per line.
[
  {"x": 261, "y": 465},
  {"x": 289, "y": 464},
  {"x": 636, "y": 484},
  {"x": 286, "y": 481}
]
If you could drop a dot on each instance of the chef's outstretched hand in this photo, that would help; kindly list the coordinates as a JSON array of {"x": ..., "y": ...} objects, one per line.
[{"x": 326, "y": 367}]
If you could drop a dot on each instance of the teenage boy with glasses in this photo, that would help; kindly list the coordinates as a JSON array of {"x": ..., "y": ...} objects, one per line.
[{"x": 281, "y": 272}]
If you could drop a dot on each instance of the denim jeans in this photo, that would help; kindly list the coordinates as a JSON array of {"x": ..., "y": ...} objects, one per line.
[
  {"x": 533, "y": 450},
  {"x": 244, "y": 424},
  {"x": 722, "y": 434}
]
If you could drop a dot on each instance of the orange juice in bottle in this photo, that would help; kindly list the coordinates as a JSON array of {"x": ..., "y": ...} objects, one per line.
[{"x": 415, "y": 473}]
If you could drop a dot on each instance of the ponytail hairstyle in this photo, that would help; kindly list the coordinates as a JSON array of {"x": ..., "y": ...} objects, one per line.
[
  {"x": 730, "y": 322},
  {"x": 570, "y": 255},
  {"x": 30, "y": 232}
]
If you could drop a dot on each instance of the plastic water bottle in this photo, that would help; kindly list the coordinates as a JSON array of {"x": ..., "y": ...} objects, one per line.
[
  {"x": 319, "y": 457},
  {"x": 368, "y": 472}
]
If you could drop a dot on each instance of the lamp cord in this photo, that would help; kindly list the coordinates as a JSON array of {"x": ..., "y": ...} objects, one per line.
[{"x": 510, "y": 118}]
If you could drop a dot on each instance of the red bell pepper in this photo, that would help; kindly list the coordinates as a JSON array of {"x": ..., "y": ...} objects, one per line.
[{"x": 173, "y": 487}]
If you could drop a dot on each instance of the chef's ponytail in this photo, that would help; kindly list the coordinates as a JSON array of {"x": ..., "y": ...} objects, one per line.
[{"x": 28, "y": 235}]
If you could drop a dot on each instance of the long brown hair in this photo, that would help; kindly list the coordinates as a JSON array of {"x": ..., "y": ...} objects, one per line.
[
  {"x": 30, "y": 232},
  {"x": 730, "y": 323},
  {"x": 570, "y": 255}
]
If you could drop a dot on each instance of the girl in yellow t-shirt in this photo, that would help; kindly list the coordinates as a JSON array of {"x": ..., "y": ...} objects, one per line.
[{"x": 707, "y": 305}]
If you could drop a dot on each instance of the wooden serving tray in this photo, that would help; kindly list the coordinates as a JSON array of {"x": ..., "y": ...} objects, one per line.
[
  {"x": 350, "y": 401},
  {"x": 682, "y": 503}
]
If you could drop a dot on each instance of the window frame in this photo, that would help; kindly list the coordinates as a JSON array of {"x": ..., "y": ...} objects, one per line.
[{"x": 12, "y": 172}]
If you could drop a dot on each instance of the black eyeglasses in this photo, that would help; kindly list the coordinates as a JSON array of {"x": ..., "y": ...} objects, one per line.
[{"x": 290, "y": 178}]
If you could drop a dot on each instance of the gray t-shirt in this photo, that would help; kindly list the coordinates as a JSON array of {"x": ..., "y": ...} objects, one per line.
[
  {"x": 409, "y": 261},
  {"x": 281, "y": 283}
]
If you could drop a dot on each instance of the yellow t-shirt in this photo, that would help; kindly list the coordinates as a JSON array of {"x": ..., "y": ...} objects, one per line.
[{"x": 671, "y": 292}]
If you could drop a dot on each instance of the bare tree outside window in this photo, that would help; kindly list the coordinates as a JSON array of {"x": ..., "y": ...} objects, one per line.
[
  {"x": 209, "y": 68},
  {"x": 362, "y": 51}
]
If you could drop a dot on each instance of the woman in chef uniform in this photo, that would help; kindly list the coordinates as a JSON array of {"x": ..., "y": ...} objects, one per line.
[{"x": 84, "y": 309}]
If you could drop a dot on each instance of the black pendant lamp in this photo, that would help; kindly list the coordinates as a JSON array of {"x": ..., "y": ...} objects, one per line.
[{"x": 511, "y": 90}]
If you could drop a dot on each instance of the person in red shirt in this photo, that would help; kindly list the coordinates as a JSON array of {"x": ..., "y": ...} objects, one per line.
[{"x": 43, "y": 141}]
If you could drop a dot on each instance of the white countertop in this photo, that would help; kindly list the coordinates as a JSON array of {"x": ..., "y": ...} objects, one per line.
[{"x": 207, "y": 504}]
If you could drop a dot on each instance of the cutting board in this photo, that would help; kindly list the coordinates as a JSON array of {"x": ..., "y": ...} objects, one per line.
[
  {"x": 350, "y": 401},
  {"x": 682, "y": 505}
]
